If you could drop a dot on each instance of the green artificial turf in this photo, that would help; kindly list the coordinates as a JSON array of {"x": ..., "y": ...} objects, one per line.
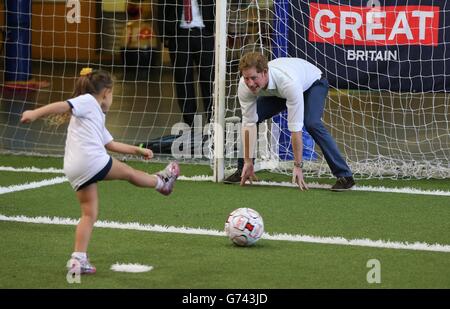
[{"x": 34, "y": 255}]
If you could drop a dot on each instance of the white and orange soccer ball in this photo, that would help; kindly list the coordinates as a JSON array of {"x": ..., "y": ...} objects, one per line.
[{"x": 244, "y": 226}]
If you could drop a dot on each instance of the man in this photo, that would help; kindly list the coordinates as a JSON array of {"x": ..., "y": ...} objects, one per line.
[
  {"x": 187, "y": 29},
  {"x": 267, "y": 88}
]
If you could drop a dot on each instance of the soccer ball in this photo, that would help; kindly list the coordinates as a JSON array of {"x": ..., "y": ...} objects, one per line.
[{"x": 244, "y": 226}]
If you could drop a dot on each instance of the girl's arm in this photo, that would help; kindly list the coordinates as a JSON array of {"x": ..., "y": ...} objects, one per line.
[
  {"x": 129, "y": 149},
  {"x": 53, "y": 108}
]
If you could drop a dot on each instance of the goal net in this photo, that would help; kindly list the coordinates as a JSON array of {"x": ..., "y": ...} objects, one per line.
[{"x": 387, "y": 63}]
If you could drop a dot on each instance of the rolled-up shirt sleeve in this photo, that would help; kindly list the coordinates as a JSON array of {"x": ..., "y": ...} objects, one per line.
[{"x": 247, "y": 101}]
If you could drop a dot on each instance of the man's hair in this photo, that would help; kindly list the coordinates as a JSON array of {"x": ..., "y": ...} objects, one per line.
[{"x": 253, "y": 60}]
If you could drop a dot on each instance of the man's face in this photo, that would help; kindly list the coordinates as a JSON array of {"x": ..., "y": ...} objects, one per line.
[{"x": 255, "y": 81}]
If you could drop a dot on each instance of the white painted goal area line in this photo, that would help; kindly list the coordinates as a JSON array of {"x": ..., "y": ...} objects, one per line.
[
  {"x": 136, "y": 226},
  {"x": 312, "y": 185},
  {"x": 32, "y": 185}
]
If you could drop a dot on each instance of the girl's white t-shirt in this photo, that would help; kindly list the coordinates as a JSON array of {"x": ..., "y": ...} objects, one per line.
[{"x": 85, "y": 153}]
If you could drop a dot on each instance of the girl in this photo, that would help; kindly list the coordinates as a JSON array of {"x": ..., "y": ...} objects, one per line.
[{"x": 86, "y": 160}]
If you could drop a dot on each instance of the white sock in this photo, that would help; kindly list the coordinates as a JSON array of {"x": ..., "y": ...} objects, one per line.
[
  {"x": 79, "y": 255},
  {"x": 159, "y": 183}
]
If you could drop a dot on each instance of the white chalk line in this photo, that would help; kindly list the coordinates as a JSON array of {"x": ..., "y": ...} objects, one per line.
[
  {"x": 312, "y": 185},
  {"x": 136, "y": 226},
  {"x": 32, "y": 185}
]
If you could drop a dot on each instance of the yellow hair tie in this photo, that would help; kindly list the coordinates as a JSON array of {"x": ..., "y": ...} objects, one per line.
[{"x": 85, "y": 71}]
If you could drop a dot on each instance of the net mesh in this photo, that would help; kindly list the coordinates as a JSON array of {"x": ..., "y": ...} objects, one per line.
[{"x": 381, "y": 132}]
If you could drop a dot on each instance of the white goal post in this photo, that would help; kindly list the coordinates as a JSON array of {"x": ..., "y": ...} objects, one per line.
[{"x": 219, "y": 90}]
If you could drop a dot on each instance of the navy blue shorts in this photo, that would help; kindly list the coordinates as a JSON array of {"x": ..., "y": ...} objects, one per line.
[{"x": 99, "y": 176}]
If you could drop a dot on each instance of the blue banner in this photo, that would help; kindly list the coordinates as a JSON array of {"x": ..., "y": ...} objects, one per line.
[
  {"x": 396, "y": 45},
  {"x": 280, "y": 131}
]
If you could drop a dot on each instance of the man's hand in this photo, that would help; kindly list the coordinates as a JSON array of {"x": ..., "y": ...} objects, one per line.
[
  {"x": 248, "y": 173},
  {"x": 297, "y": 177}
]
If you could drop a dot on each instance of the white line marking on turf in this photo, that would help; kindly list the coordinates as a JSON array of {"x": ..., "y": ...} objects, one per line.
[
  {"x": 420, "y": 246},
  {"x": 32, "y": 185},
  {"x": 315, "y": 185},
  {"x": 31, "y": 169},
  {"x": 131, "y": 268},
  {"x": 196, "y": 178},
  {"x": 312, "y": 185}
]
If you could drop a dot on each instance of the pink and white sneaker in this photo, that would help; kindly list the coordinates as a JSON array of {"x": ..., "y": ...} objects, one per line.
[
  {"x": 168, "y": 177},
  {"x": 77, "y": 265}
]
